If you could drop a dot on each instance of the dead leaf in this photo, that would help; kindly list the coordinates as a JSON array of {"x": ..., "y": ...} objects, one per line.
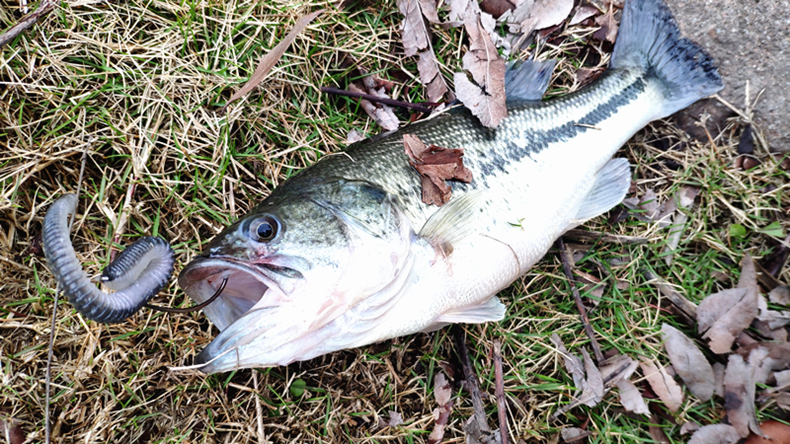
[
  {"x": 775, "y": 433},
  {"x": 435, "y": 165},
  {"x": 431, "y": 77},
  {"x": 780, "y": 295},
  {"x": 497, "y": 7},
  {"x": 689, "y": 362},
  {"x": 684, "y": 199},
  {"x": 540, "y": 14},
  {"x": 395, "y": 419},
  {"x": 657, "y": 433},
  {"x": 718, "y": 378},
  {"x": 646, "y": 206},
  {"x": 608, "y": 26},
  {"x": 739, "y": 390},
  {"x": 663, "y": 385},
  {"x": 11, "y": 431},
  {"x": 715, "y": 434},
  {"x": 631, "y": 398},
  {"x": 689, "y": 427},
  {"x": 574, "y": 434},
  {"x": 724, "y": 315},
  {"x": 354, "y": 136},
  {"x": 269, "y": 60},
  {"x": 572, "y": 363},
  {"x": 587, "y": 75},
  {"x": 414, "y": 33},
  {"x": 428, "y": 8},
  {"x": 593, "y": 386},
  {"x": 382, "y": 114},
  {"x": 442, "y": 392},
  {"x": 616, "y": 368},
  {"x": 582, "y": 14},
  {"x": 486, "y": 97}
]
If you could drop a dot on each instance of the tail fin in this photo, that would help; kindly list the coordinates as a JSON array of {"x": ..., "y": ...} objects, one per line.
[{"x": 649, "y": 39}]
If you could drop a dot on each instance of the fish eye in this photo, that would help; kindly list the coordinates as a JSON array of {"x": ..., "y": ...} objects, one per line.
[{"x": 264, "y": 229}]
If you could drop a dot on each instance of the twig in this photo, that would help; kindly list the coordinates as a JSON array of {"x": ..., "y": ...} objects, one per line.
[
  {"x": 44, "y": 8},
  {"x": 372, "y": 98},
  {"x": 258, "y": 408},
  {"x": 686, "y": 307},
  {"x": 47, "y": 390},
  {"x": 500, "y": 391},
  {"x": 470, "y": 378},
  {"x": 592, "y": 236},
  {"x": 566, "y": 267},
  {"x": 50, "y": 352}
]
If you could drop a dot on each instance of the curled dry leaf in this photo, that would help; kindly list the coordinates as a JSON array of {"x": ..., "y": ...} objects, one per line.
[
  {"x": 715, "y": 434},
  {"x": 269, "y": 60},
  {"x": 593, "y": 386},
  {"x": 657, "y": 433},
  {"x": 689, "y": 362},
  {"x": 684, "y": 199},
  {"x": 663, "y": 385},
  {"x": 739, "y": 388},
  {"x": 486, "y": 96},
  {"x": 435, "y": 165},
  {"x": 443, "y": 393}
]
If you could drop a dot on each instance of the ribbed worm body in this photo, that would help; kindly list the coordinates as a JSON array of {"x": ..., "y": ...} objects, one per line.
[{"x": 137, "y": 274}]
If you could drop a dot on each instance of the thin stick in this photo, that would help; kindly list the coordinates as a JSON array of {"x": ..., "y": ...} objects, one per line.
[
  {"x": 50, "y": 352},
  {"x": 471, "y": 379},
  {"x": 500, "y": 391},
  {"x": 371, "y": 98},
  {"x": 594, "y": 236},
  {"x": 44, "y": 8},
  {"x": 258, "y": 408},
  {"x": 566, "y": 267}
]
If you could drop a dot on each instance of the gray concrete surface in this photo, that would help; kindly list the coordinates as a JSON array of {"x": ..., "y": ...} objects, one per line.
[{"x": 750, "y": 40}]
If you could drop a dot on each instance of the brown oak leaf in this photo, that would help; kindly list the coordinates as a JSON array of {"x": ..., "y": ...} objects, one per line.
[{"x": 435, "y": 165}]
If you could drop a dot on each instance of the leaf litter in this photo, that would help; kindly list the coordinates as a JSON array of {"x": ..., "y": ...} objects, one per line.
[{"x": 436, "y": 165}]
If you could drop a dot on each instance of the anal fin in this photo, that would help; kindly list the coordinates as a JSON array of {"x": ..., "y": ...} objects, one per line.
[{"x": 611, "y": 185}]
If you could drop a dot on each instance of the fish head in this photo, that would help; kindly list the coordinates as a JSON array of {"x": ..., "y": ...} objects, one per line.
[{"x": 302, "y": 258}]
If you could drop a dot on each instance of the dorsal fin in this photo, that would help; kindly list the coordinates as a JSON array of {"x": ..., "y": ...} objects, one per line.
[{"x": 528, "y": 80}]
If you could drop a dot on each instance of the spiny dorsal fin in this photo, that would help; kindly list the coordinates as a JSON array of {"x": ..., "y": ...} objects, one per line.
[{"x": 528, "y": 80}]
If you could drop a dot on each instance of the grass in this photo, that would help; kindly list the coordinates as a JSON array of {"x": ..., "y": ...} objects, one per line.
[{"x": 139, "y": 83}]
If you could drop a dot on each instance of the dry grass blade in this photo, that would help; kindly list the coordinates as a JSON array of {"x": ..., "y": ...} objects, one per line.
[{"x": 267, "y": 63}]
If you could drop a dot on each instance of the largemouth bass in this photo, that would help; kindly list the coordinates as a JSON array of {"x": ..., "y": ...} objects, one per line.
[{"x": 345, "y": 253}]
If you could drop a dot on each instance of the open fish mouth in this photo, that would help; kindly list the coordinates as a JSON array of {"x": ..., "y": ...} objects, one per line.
[{"x": 248, "y": 286}]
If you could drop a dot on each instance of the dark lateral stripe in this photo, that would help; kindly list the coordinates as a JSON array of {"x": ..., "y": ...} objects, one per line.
[{"x": 538, "y": 140}]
